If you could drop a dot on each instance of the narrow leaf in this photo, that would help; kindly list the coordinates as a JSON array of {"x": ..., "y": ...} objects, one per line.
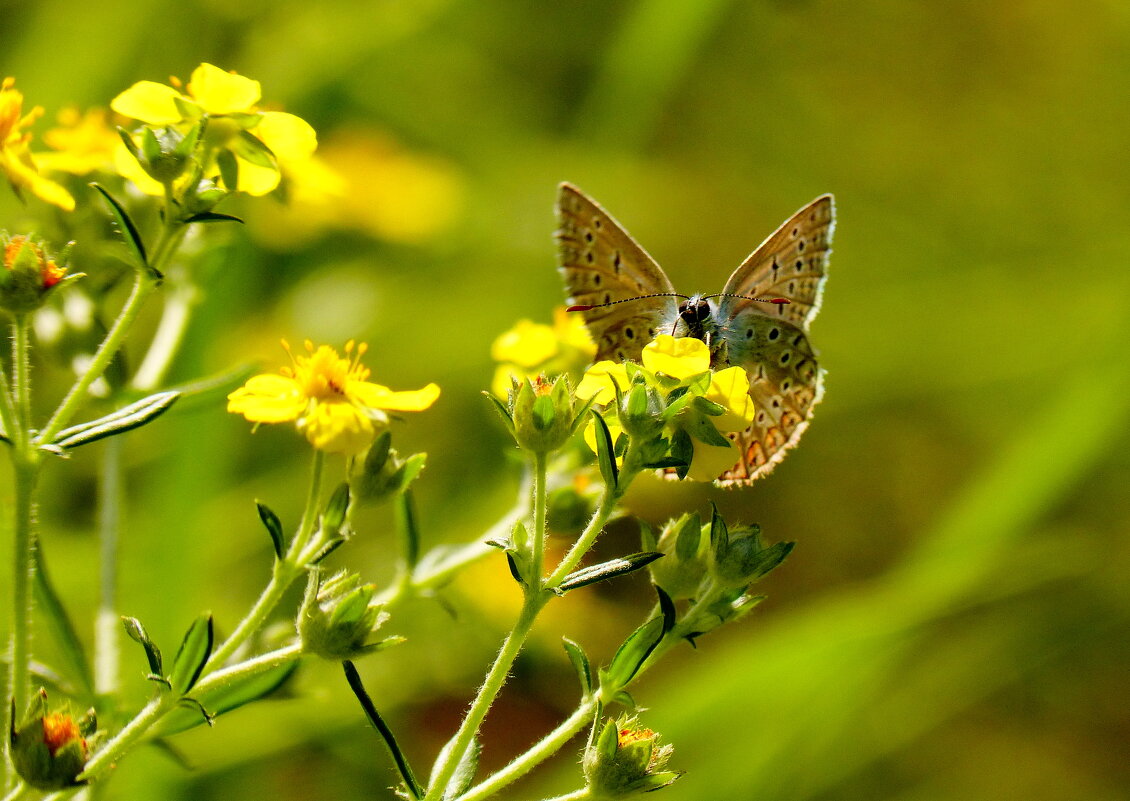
[
  {"x": 194, "y": 651},
  {"x": 605, "y": 452},
  {"x": 408, "y": 528},
  {"x": 415, "y": 791},
  {"x": 137, "y": 633},
  {"x": 274, "y": 528},
  {"x": 231, "y": 696},
  {"x": 607, "y": 570},
  {"x": 500, "y": 407},
  {"x": 667, "y": 608},
  {"x": 333, "y": 516},
  {"x": 212, "y": 216},
  {"x": 631, "y": 655},
  {"x": 229, "y": 169},
  {"x": 514, "y": 570},
  {"x": 127, "y": 229},
  {"x": 326, "y": 550},
  {"x": 117, "y": 422},
  {"x": 580, "y": 663}
]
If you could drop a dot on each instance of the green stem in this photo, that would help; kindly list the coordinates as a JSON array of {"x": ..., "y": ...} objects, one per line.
[
  {"x": 576, "y": 795},
  {"x": 19, "y": 791},
  {"x": 285, "y": 572},
  {"x": 21, "y": 367},
  {"x": 8, "y": 409},
  {"x": 166, "y": 342},
  {"x": 492, "y": 684},
  {"x": 539, "y": 531},
  {"x": 104, "y": 758},
  {"x": 143, "y": 286},
  {"x": 541, "y": 751},
  {"x": 107, "y": 624},
  {"x": 260, "y": 664}
]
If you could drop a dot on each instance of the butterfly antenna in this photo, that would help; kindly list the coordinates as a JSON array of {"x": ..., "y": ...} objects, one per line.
[
  {"x": 776, "y": 301},
  {"x": 627, "y": 300}
]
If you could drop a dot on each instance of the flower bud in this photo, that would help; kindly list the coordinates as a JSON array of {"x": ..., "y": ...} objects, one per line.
[
  {"x": 641, "y": 411},
  {"x": 337, "y": 617},
  {"x": 382, "y": 473},
  {"x": 162, "y": 153},
  {"x": 543, "y": 415},
  {"x": 29, "y": 274},
  {"x": 740, "y": 557},
  {"x": 626, "y": 760},
  {"x": 681, "y": 573},
  {"x": 49, "y": 749}
]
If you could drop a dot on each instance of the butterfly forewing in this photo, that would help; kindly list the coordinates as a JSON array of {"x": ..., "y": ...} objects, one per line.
[
  {"x": 601, "y": 264},
  {"x": 792, "y": 264}
]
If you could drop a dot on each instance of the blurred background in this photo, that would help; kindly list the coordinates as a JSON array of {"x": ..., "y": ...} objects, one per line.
[{"x": 953, "y": 622}]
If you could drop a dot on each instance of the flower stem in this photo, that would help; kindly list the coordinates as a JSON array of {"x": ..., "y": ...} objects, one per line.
[
  {"x": 576, "y": 795},
  {"x": 167, "y": 340},
  {"x": 542, "y": 750},
  {"x": 23, "y": 563},
  {"x": 157, "y": 708},
  {"x": 538, "y": 533}
]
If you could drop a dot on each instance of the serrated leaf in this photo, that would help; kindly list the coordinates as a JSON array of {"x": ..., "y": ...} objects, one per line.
[
  {"x": 211, "y": 217},
  {"x": 580, "y": 663},
  {"x": 274, "y": 528},
  {"x": 605, "y": 452},
  {"x": 117, "y": 422},
  {"x": 137, "y": 633},
  {"x": 127, "y": 230},
  {"x": 415, "y": 791},
  {"x": 194, "y": 651},
  {"x": 607, "y": 570},
  {"x": 631, "y": 655}
]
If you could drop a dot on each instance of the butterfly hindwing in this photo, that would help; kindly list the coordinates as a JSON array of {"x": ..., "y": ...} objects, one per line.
[{"x": 601, "y": 264}]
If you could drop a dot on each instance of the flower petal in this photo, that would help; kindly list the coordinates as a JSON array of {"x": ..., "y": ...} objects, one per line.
[
  {"x": 527, "y": 344},
  {"x": 710, "y": 461},
  {"x": 290, "y": 137},
  {"x": 374, "y": 396},
  {"x": 730, "y": 388},
  {"x": 597, "y": 381},
  {"x": 152, "y": 103},
  {"x": 677, "y": 357},
  {"x": 255, "y": 180},
  {"x": 338, "y": 428},
  {"x": 220, "y": 92},
  {"x": 268, "y": 398}
]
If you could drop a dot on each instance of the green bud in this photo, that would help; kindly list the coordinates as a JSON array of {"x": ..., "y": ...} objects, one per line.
[
  {"x": 543, "y": 414},
  {"x": 49, "y": 749},
  {"x": 740, "y": 557},
  {"x": 641, "y": 411},
  {"x": 338, "y": 617},
  {"x": 382, "y": 473},
  {"x": 626, "y": 760},
  {"x": 681, "y": 573},
  {"x": 161, "y": 154},
  {"x": 30, "y": 274}
]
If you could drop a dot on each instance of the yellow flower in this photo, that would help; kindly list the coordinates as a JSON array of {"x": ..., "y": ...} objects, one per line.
[
  {"x": 80, "y": 143},
  {"x": 598, "y": 380},
  {"x": 328, "y": 397},
  {"x": 15, "y": 155},
  {"x": 679, "y": 357},
  {"x": 228, "y": 100},
  {"x": 530, "y": 349}
]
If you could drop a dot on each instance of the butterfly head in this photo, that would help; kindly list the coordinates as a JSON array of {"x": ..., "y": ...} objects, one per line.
[{"x": 694, "y": 312}]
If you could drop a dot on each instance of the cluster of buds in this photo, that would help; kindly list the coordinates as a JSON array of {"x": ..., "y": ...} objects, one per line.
[
  {"x": 541, "y": 414},
  {"x": 626, "y": 760},
  {"x": 338, "y": 617},
  {"x": 49, "y": 749},
  {"x": 30, "y": 273}
]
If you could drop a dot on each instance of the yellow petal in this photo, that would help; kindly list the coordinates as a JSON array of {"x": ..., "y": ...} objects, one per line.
[
  {"x": 597, "y": 381},
  {"x": 255, "y": 180},
  {"x": 127, "y": 167},
  {"x": 730, "y": 388},
  {"x": 268, "y": 398},
  {"x": 152, "y": 103},
  {"x": 527, "y": 344},
  {"x": 338, "y": 428},
  {"x": 710, "y": 461},
  {"x": 220, "y": 92},
  {"x": 614, "y": 428},
  {"x": 679, "y": 358},
  {"x": 501, "y": 383},
  {"x": 570, "y": 329},
  {"x": 374, "y": 396},
  {"x": 290, "y": 138}
]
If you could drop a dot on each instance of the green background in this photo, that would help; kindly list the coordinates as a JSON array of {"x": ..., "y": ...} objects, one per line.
[{"x": 953, "y": 623}]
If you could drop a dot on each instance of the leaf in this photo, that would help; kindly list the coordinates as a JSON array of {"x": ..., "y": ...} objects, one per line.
[
  {"x": 194, "y": 651},
  {"x": 211, "y": 217},
  {"x": 409, "y": 471},
  {"x": 333, "y": 516},
  {"x": 274, "y": 528},
  {"x": 667, "y": 608},
  {"x": 631, "y": 655},
  {"x": 408, "y": 528},
  {"x": 208, "y": 390},
  {"x": 231, "y": 696},
  {"x": 117, "y": 422},
  {"x": 605, "y": 452},
  {"x": 414, "y": 789},
  {"x": 515, "y": 571},
  {"x": 127, "y": 230},
  {"x": 500, "y": 407},
  {"x": 464, "y": 773},
  {"x": 607, "y": 570},
  {"x": 580, "y": 663},
  {"x": 137, "y": 633},
  {"x": 229, "y": 169},
  {"x": 326, "y": 550}
]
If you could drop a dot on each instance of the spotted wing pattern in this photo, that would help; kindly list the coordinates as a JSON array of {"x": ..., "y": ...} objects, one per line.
[{"x": 602, "y": 264}]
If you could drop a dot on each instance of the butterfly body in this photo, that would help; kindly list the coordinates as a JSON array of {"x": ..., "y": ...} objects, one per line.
[{"x": 628, "y": 301}]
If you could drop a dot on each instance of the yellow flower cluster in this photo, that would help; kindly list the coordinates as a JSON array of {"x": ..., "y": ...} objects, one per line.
[
  {"x": 15, "y": 154},
  {"x": 328, "y": 397},
  {"x": 531, "y": 349}
]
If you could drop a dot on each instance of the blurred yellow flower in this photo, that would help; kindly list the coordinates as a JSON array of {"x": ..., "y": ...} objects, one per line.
[
  {"x": 328, "y": 397},
  {"x": 15, "y": 154},
  {"x": 530, "y": 349},
  {"x": 80, "y": 143},
  {"x": 262, "y": 143}
]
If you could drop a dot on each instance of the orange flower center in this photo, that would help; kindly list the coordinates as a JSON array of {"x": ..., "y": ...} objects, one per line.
[{"x": 60, "y": 730}]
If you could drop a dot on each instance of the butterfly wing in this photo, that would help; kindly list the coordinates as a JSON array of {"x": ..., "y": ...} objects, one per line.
[
  {"x": 602, "y": 264},
  {"x": 771, "y": 342}
]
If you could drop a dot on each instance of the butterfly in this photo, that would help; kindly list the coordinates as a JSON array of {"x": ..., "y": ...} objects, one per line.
[{"x": 759, "y": 321}]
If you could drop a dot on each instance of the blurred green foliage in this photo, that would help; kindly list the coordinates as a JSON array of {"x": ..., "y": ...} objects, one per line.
[{"x": 953, "y": 622}]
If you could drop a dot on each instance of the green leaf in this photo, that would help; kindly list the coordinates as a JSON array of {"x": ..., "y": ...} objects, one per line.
[
  {"x": 666, "y": 608},
  {"x": 605, "y": 452},
  {"x": 580, "y": 663},
  {"x": 125, "y": 419},
  {"x": 255, "y": 150},
  {"x": 631, "y": 655},
  {"x": 194, "y": 651},
  {"x": 708, "y": 407},
  {"x": 211, "y": 217},
  {"x": 131, "y": 145},
  {"x": 326, "y": 550},
  {"x": 211, "y": 389},
  {"x": 699, "y": 426},
  {"x": 229, "y": 169},
  {"x": 137, "y": 633},
  {"x": 464, "y": 773},
  {"x": 274, "y": 528},
  {"x": 408, "y": 528},
  {"x": 415, "y": 791},
  {"x": 666, "y": 462},
  {"x": 682, "y": 450},
  {"x": 515, "y": 571},
  {"x": 333, "y": 516},
  {"x": 127, "y": 230},
  {"x": 500, "y": 407},
  {"x": 607, "y": 570},
  {"x": 231, "y": 696}
]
